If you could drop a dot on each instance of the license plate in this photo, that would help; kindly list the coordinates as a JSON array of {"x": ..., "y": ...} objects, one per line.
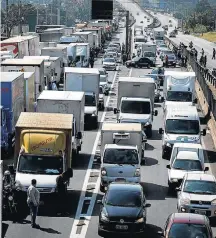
[
  {"x": 120, "y": 180},
  {"x": 200, "y": 212},
  {"x": 121, "y": 227}
]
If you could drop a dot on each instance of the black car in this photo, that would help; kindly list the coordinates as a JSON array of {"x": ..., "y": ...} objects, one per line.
[
  {"x": 139, "y": 62},
  {"x": 123, "y": 210}
]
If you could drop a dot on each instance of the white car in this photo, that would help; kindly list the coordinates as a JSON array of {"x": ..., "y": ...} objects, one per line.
[
  {"x": 184, "y": 162},
  {"x": 104, "y": 83},
  {"x": 197, "y": 194},
  {"x": 109, "y": 64}
]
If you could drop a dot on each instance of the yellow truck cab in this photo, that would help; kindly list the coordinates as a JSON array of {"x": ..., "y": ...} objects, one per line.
[{"x": 43, "y": 149}]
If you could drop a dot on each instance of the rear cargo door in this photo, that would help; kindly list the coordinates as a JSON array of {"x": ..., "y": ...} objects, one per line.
[{"x": 73, "y": 82}]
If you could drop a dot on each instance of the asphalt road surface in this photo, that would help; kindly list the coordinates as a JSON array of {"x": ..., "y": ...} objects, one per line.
[{"x": 84, "y": 191}]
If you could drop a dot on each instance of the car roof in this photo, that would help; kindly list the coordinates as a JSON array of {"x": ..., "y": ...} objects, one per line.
[
  {"x": 200, "y": 176},
  {"x": 125, "y": 186},
  {"x": 187, "y": 155},
  {"x": 188, "y": 218}
]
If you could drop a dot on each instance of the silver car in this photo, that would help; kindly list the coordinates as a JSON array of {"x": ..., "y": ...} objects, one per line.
[
  {"x": 109, "y": 64},
  {"x": 197, "y": 194},
  {"x": 119, "y": 163}
]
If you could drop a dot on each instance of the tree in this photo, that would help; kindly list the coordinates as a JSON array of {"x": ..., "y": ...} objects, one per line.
[{"x": 16, "y": 15}]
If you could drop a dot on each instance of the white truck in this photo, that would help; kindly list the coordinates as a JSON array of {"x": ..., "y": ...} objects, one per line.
[
  {"x": 21, "y": 45},
  {"x": 23, "y": 65},
  {"x": 179, "y": 87},
  {"x": 66, "y": 102},
  {"x": 6, "y": 55},
  {"x": 135, "y": 102},
  {"x": 159, "y": 33},
  {"x": 122, "y": 152},
  {"x": 88, "y": 35},
  {"x": 149, "y": 50},
  {"x": 96, "y": 31},
  {"x": 85, "y": 80},
  {"x": 138, "y": 28},
  {"x": 181, "y": 124},
  {"x": 83, "y": 53},
  {"x": 29, "y": 96}
]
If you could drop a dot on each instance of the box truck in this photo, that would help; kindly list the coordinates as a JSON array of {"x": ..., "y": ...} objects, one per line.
[{"x": 29, "y": 95}]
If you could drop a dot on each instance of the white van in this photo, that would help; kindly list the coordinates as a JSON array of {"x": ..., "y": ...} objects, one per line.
[{"x": 181, "y": 124}]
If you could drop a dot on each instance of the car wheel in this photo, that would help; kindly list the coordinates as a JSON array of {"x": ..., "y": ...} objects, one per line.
[
  {"x": 136, "y": 66},
  {"x": 174, "y": 65},
  {"x": 148, "y": 66}
]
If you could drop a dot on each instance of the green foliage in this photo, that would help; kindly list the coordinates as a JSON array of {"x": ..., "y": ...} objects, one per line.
[
  {"x": 200, "y": 29},
  {"x": 178, "y": 15}
]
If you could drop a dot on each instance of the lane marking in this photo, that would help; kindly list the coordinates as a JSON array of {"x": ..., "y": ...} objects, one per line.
[
  {"x": 130, "y": 72},
  {"x": 86, "y": 183}
]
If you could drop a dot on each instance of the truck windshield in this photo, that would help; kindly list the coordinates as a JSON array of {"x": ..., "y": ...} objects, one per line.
[
  {"x": 90, "y": 100},
  {"x": 136, "y": 107},
  {"x": 188, "y": 127},
  {"x": 36, "y": 164},
  {"x": 140, "y": 40},
  {"x": 179, "y": 96},
  {"x": 149, "y": 54},
  {"x": 120, "y": 156}
]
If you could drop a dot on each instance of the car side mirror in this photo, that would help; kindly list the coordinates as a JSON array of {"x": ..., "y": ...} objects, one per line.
[
  {"x": 116, "y": 111},
  {"x": 168, "y": 166},
  {"x": 99, "y": 202},
  {"x": 178, "y": 189},
  {"x": 161, "y": 131},
  {"x": 195, "y": 101},
  {"x": 162, "y": 99},
  {"x": 206, "y": 169},
  {"x": 203, "y": 132},
  {"x": 144, "y": 140},
  {"x": 147, "y": 205},
  {"x": 79, "y": 135},
  {"x": 156, "y": 112}
]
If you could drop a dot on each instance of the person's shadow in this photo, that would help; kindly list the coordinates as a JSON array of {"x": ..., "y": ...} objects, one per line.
[{"x": 49, "y": 230}]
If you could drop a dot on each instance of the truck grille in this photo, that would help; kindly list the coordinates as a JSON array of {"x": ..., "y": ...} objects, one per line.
[{"x": 44, "y": 190}]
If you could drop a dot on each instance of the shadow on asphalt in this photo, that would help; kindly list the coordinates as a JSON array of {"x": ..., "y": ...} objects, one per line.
[
  {"x": 155, "y": 135},
  {"x": 149, "y": 147},
  {"x": 150, "y": 161},
  {"x": 156, "y": 105},
  {"x": 49, "y": 230},
  {"x": 81, "y": 163},
  {"x": 4, "y": 229},
  {"x": 211, "y": 156},
  {"x": 155, "y": 191}
]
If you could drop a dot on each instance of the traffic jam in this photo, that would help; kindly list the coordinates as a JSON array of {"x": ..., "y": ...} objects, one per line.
[{"x": 54, "y": 94}]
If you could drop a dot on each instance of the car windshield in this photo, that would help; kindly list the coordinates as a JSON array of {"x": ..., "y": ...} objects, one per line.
[
  {"x": 136, "y": 107},
  {"x": 32, "y": 164},
  {"x": 120, "y": 156},
  {"x": 187, "y": 164},
  {"x": 179, "y": 96},
  {"x": 171, "y": 57},
  {"x": 177, "y": 126},
  {"x": 149, "y": 54},
  {"x": 163, "y": 45},
  {"x": 167, "y": 52},
  {"x": 140, "y": 40},
  {"x": 200, "y": 187},
  {"x": 179, "y": 230},
  {"x": 123, "y": 198},
  {"x": 111, "y": 60},
  {"x": 90, "y": 100},
  {"x": 136, "y": 58}
]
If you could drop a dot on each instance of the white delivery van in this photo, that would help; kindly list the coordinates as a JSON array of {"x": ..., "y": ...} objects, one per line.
[
  {"x": 136, "y": 102},
  {"x": 159, "y": 33},
  {"x": 66, "y": 102},
  {"x": 149, "y": 50},
  {"x": 179, "y": 87},
  {"x": 122, "y": 151},
  {"x": 181, "y": 124},
  {"x": 23, "y": 65},
  {"x": 85, "y": 80}
]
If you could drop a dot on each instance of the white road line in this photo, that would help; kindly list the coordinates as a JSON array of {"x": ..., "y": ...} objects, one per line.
[
  {"x": 130, "y": 72},
  {"x": 84, "y": 188}
]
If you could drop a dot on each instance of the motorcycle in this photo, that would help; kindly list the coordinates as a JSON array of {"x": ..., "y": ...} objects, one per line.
[{"x": 9, "y": 203}]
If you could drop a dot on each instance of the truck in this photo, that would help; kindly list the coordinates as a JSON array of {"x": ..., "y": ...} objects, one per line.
[
  {"x": 96, "y": 31},
  {"x": 12, "y": 104},
  {"x": 122, "y": 149},
  {"x": 43, "y": 149},
  {"x": 138, "y": 28},
  {"x": 87, "y": 35},
  {"x": 23, "y": 65},
  {"x": 66, "y": 102},
  {"x": 21, "y": 45},
  {"x": 29, "y": 95},
  {"x": 179, "y": 87},
  {"x": 51, "y": 35},
  {"x": 83, "y": 53},
  {"x": 135, "y": 102},
  {"x": 6, "y": 55},
  {"x": 149, "y": 50},
  {"x": 159, "y": 33},
  {"x": 87, "y": 81}
]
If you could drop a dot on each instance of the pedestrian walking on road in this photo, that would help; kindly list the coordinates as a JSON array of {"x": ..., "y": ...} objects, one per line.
[
  {"x": 205, "y": 61},
  {"x": 202, "y": 52},
  {"x": 214, "y": 52},
  {"x": 33, "y": 200},
  {"x": 196, "y": 54},
  {"x": 185, "y": 61},
  {"x": 91, "y": 61}
]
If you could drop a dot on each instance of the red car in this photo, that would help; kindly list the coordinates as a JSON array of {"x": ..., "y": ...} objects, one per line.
[{"x": 187, "y": 225}]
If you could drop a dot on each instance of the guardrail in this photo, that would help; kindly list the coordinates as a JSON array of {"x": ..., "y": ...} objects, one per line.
[{"x": 205, "y": 78}]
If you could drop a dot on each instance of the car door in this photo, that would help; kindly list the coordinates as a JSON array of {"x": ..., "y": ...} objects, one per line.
[{"x": 141, "y": 62}]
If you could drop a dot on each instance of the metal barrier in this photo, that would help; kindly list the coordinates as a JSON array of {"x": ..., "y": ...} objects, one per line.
[{"x": 205, "y": 78}]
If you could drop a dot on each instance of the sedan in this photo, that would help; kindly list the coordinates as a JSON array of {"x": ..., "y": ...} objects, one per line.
[
  {"x": 139, "y": 62},
  {"x": 187, "y": 225},
  {"x": 171, "y": 60},
  {"x": 109, "y": 64},
  {"x": 123, "y": 210},
  {"x": 164, "y": 52}
]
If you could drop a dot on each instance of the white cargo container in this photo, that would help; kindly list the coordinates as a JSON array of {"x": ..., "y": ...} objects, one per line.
[
  {"x": 83, "y": 51},
  {"x": 23, "y": 65},
  {"x": 85, "y": 80},
  {"x": 87, "y": 35},
  {"x": 66, "y": 102},
  {"x": 51, "y": 35},
  {"x": 159, "y": 33},
  {"x": 97, "y": 31},
  {"x": 29, "y": 96}
]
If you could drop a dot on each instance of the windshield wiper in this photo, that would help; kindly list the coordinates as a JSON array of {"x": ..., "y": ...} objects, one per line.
[
  {"x": 178, "y": 168},
  {"x": 207, "y": 192},
  {"x": 28, "y": 172}
]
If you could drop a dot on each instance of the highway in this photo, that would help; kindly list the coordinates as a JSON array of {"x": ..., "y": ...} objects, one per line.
[{"x": 83, "y": 210}]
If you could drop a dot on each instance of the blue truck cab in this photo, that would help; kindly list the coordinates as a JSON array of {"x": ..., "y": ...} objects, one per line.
[{"x": 12, "y": 104}]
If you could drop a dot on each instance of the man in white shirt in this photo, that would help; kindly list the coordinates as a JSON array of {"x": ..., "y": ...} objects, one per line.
[{"x": 33, "y": 200}]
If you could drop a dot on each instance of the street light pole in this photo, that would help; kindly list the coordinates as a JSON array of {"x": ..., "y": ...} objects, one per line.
[{"x": 7, "y": 8}]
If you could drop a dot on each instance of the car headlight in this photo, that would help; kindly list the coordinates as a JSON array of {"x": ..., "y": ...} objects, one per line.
[
  {"x": 213, "y": 202},
  {"x": 174, "y": 180},
  {"x": 168, "y": 145},
  {"x": 10, "y": 198},
  {"x": 103, "y": 172},
  {"x": 140, "y": 220},
  {"x": 137, "y": 173},
  {"x": 104, "y": 216},
  {"x": 53, "y": 190},
  {"x": 185, "y": 201},
  {"x": 147, "y": 123}
]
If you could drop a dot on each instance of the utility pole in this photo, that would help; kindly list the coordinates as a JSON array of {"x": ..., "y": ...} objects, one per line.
[
  {"x": 20, "y": 18},
  {"x": 7, "y": 8},
  {"x": 127, "y": 32}
]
